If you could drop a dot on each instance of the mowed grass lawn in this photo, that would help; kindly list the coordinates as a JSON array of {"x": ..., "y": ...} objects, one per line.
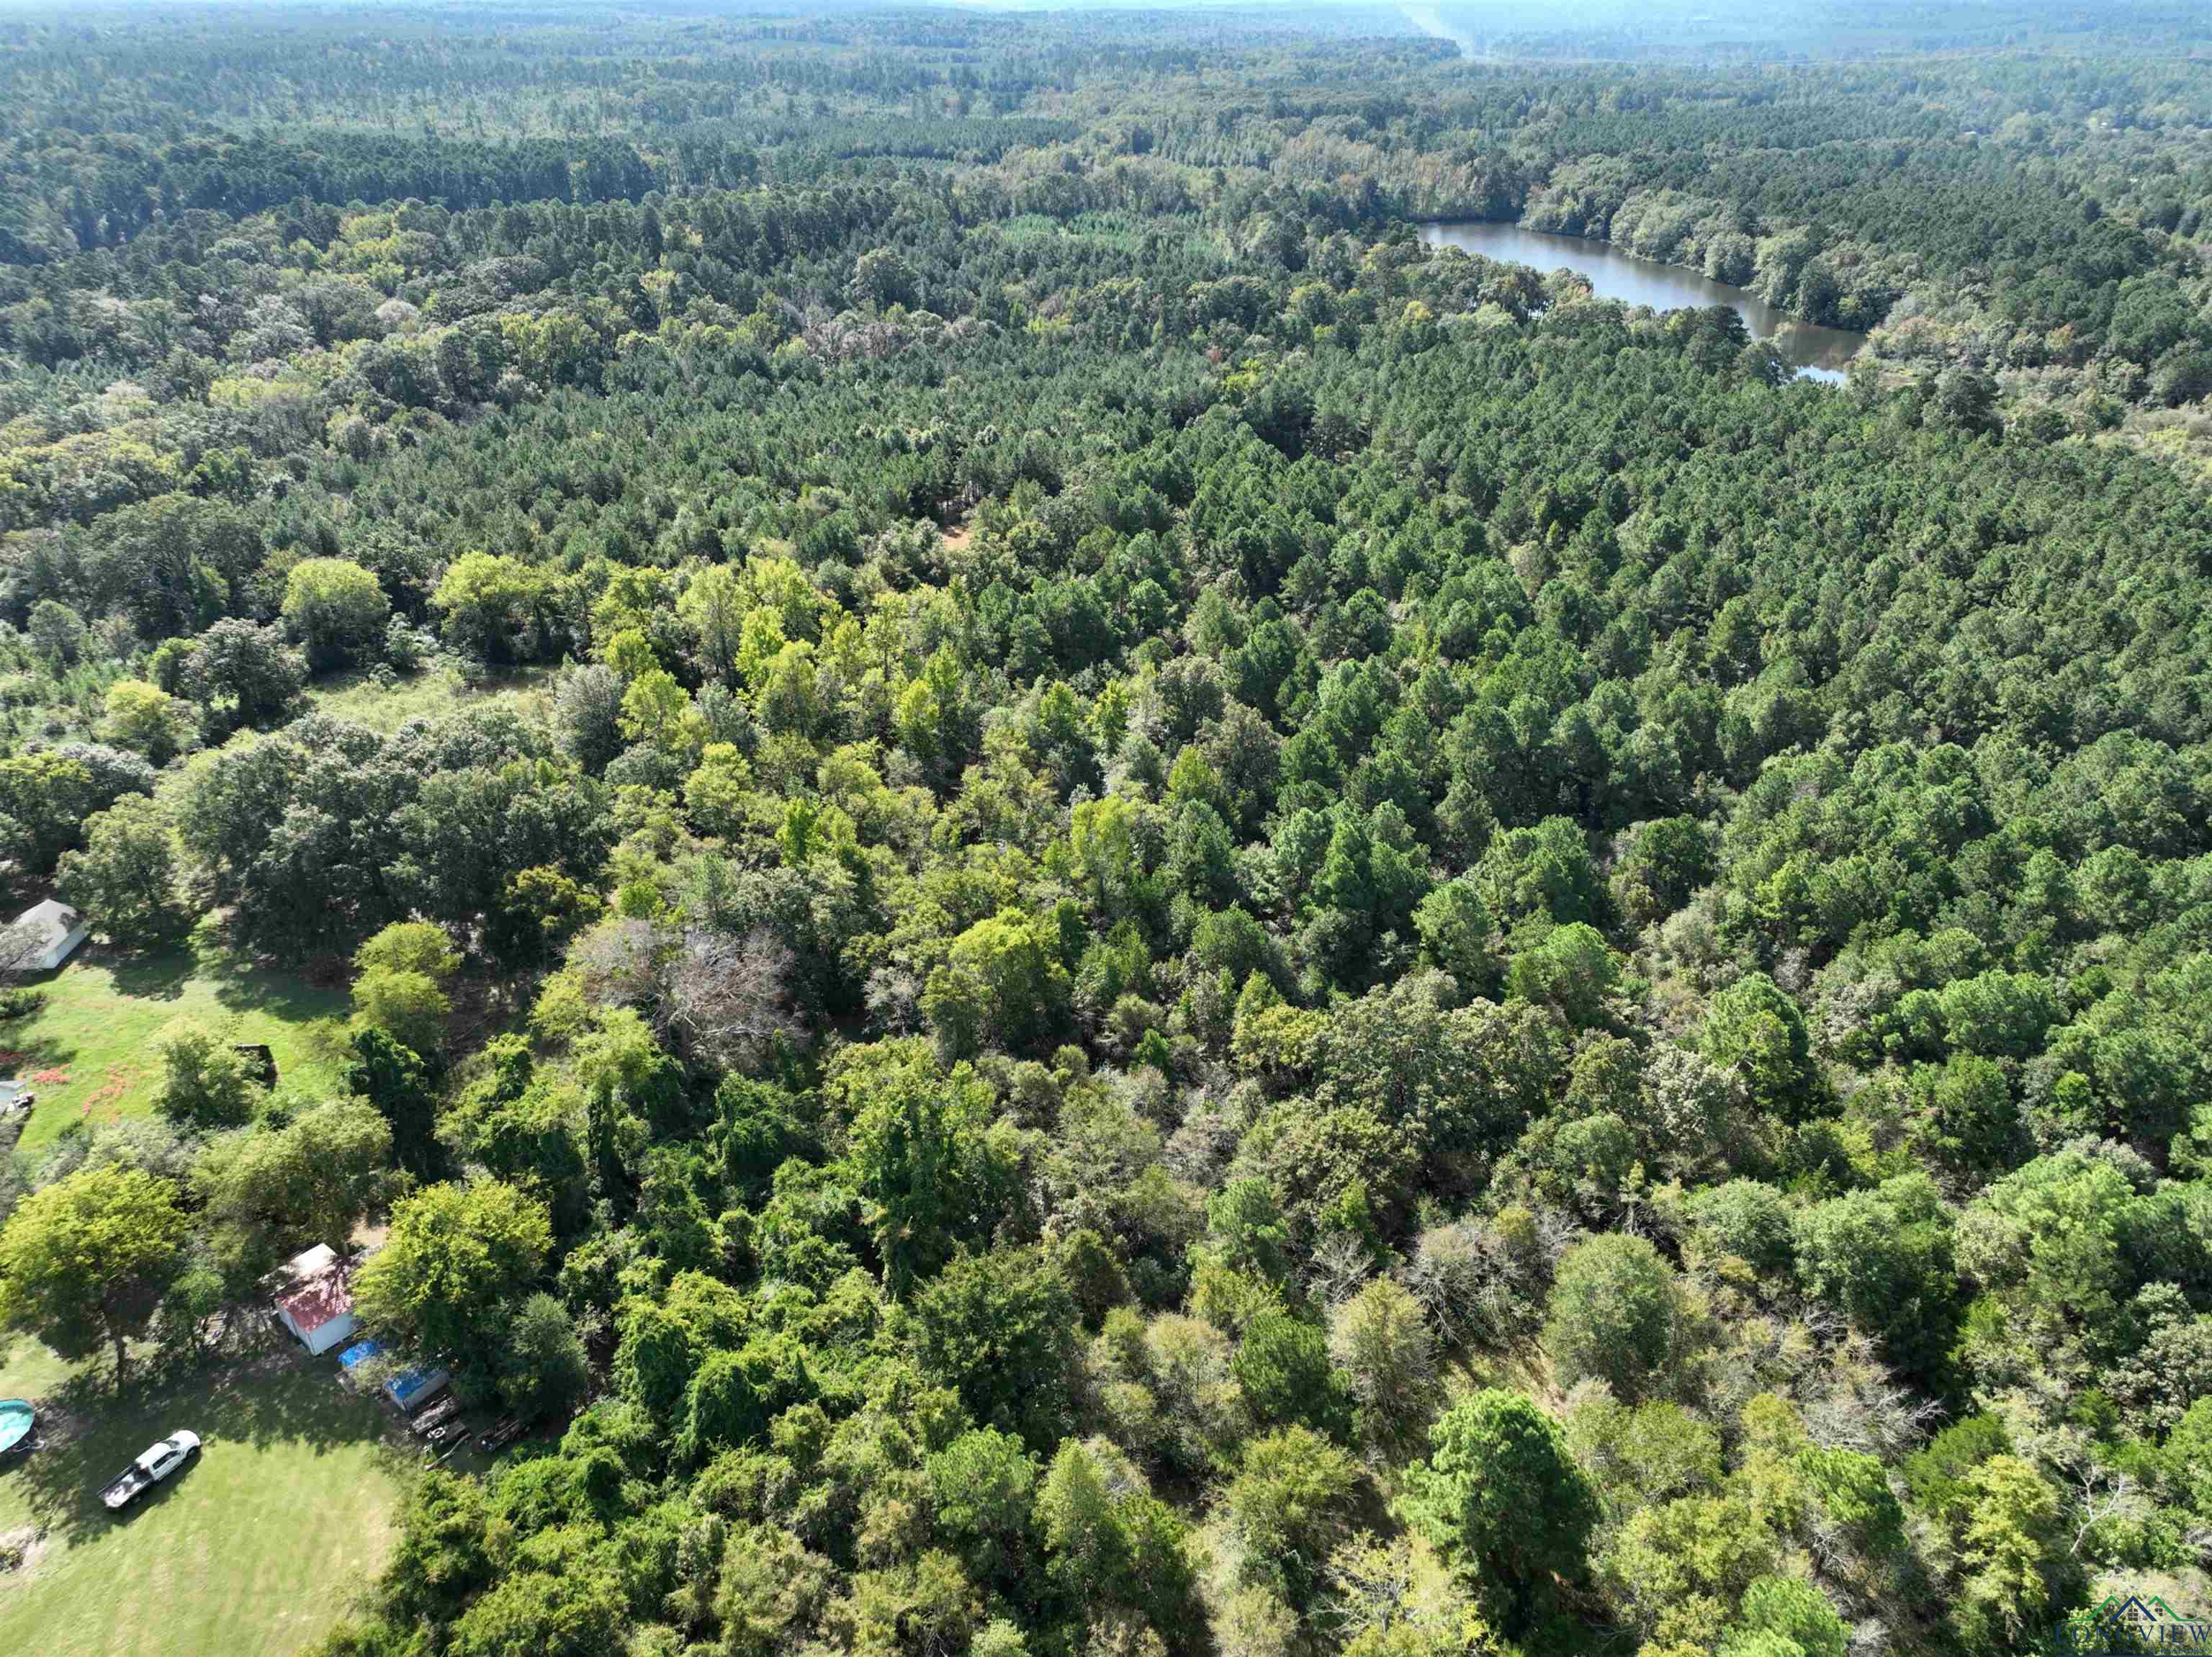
[
  {"x": 88, "y": 1051},
  {"x": 255, "y": 1549}
]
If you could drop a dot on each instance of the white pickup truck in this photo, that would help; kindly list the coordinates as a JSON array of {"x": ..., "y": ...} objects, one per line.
[{"x": 149, "y": 1469}]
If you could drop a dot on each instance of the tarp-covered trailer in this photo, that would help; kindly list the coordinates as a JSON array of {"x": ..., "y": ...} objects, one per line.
[
  {"x": 413, "y": 1388},
  {"x": 410, "y": 1390}
]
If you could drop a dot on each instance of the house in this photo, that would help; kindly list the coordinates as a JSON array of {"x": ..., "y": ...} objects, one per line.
[
  {"x": 314, "y": 1300},
  {"x": 45, "y": 933}
]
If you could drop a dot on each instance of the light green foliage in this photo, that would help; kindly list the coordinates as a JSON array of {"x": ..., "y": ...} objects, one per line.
[
  {"x": 652, "y": 708},
  {"x": 409, "y": 946},
  {"x": 1747, "y": 1220},
  {"x": 1935, "y": 1476},
  {"x": 458, "y": 1261},
  {"x": 1572, "y": 970},
  {"x": 984, "y": 1483},
  {"x": 1456, "y": 928},
  {"x": 493, "y": 607},
  {"x": 124, "y": 878},
  {"x": 57, "y": 630},
  {"x": 1113, "y": 1547},
  {"x": 400, "y": 990},
  {"x": 336, "y": 609},
  {"x": 1244, "y": 1226},
  {"x": 1396, "y": 1596},
  {"x": 1640, "y": 1454},
  {"x": 1677, "y": 1565},
  {"x": 1853, "y": 1491},
  {"x": 1544, "y": 871},
  {"x": 85, "y": 1261},
  {"x": 923, "y": 1155},
  {"x": 2058, "y": 1241},
  {"x": 1884, "y": 1257},
  {"x": 1617, "y": 1315},
  {"x": 2007, "y": 1549},
  {"x": 527, "y": 1129},
  {"x": 771, "y": 1586},
  {"x": 1784, "y": 1617},
  {"x": 1003, "y": 986},
  {"x": 542, "y": 1614},
  {"x": 46, "y": 798},
  {"x": 540, "y": 908},
  {"x": 206, "y": 1083},
  {"x": 1290, "y": 1504},
  {"x": 272, "y": 1191},
  {"x": 713, "y": 605},
  {"x": 1380, "y": 1343},
  {"x": 662, "y": 1341},
  {"x": 407, "y": 1006},
  {"x": 147, "y": 719}
]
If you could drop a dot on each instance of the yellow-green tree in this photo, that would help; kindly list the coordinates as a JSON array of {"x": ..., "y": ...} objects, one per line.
[{"x": 84, "y": 1262}]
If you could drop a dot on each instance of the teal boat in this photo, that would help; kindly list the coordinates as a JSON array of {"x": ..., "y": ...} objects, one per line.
[{"x": 17, "y": 1417}]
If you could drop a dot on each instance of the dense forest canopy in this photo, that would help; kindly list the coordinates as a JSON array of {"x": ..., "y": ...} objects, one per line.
[{"x": 1108, "y": 913}]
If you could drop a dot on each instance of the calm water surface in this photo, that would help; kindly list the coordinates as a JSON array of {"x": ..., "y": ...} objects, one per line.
[{"x": 1816, "y": 352}]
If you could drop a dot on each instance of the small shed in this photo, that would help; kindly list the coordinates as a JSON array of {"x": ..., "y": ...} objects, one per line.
[
  {"x": 314, "y": 1300},
  {"x": 49, "y": 932}
]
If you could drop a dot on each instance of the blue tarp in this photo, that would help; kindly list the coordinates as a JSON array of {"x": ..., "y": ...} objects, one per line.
[
  {"x": 407, "y": 1389},
  {"x": 360, "y": 1353},
  {"x": 416, "y": 1386}
]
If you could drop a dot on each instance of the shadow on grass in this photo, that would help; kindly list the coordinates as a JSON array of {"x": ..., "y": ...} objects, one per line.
[
  {"x": 155, "y": 977},
  {"x": 294, "y": 992},
  {"x": 26, "y": 1049},
  {"x": 22, "y": 1054},
  {"x": 281, "y": 995},
  {"x": 266, "y": 1397}
]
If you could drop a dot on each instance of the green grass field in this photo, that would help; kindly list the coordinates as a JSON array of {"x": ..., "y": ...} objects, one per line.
[
  {"x": 254, "y": 1550},
  {"x": 88, "y": 1052},
  {"x": 434, "y": 693}
]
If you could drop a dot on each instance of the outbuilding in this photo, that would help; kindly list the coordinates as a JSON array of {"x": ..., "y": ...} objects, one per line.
[
  {"x": 47, "y": 933},
  {"x": 314, "y": 1300}
]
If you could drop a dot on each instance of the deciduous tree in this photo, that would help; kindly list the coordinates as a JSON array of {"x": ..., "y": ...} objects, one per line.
[{"x": 84, "y": 1262}]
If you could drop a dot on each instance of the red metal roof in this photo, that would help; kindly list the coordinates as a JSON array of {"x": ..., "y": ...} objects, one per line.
[{"x": 317, "y": 1301}]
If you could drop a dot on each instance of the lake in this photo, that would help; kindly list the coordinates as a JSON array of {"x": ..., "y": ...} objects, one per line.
[{"x": 1815, "y": 352}]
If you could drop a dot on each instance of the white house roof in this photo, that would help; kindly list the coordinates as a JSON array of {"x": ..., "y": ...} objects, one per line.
[
  {"x": 311, "y": 1262},
  {"x": 54, "y": 921}
]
